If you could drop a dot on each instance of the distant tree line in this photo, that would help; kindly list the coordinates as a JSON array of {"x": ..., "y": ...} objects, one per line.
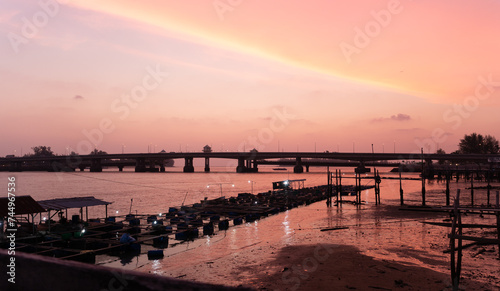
[{"x": 46, "y": 151}]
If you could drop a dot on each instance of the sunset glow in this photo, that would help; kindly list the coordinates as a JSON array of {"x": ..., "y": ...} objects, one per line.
[{"x": 176, "y": 75}]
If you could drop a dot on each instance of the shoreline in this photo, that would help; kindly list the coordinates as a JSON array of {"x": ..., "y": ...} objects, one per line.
[{"x": 378, "y": 247}]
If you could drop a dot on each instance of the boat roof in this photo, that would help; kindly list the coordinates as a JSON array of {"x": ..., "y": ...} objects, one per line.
[
  {"x": 75, "y": 202},
  {"x": 22, "y": 205}
]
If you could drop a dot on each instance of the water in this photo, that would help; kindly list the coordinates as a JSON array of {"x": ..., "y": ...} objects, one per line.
[
  {"x": 155, "y": 192},
  {"x": 374, "y": 231}
]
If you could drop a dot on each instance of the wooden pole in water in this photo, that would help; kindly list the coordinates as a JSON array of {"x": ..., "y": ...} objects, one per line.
[
  {"x": 378, "y": 186},
  {"x": 356, "y": 187},
  {"x": 423, "y": 178},
  {"x": 457, "y": 222},
  {"x": 329, "y": 181},
  {"x": 340, "y": 186},
  {"x": 359, "y": 189},
  {"x": 337, "y": 186},
  {"x": 401, "y": 198},
  {"x": 375, "y": 182}
]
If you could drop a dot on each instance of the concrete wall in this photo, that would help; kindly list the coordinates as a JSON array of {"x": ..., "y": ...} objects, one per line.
[{"x": 33, "y": 272}]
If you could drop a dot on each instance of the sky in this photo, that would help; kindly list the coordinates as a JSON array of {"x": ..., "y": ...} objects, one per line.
[{"x": 288, "y": 75}]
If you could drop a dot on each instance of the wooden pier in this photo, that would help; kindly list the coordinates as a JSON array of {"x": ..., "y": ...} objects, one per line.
[{"x": 83, "y": 240}]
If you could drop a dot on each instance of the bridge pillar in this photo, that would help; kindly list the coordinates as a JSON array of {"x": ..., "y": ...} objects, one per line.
[
  {"x": 254, "y": 166},
  {"x": 241, "y": 166},
  {"x": 188, "y": 165},
  {"x": 120, "y": 168},
  {"x": 162, "y": 167},
  {"x": 95, "y": 165},
  {"x": 207, "y": 165},
  {"x": 140, "y": 165},
  {"x": 15, "y": 167},
  {"x": 152, "y": 168},
  {"x": 307, "y": 168},
  {"x": 298, "y": 166},
  {"x": 82, "y": 168}
]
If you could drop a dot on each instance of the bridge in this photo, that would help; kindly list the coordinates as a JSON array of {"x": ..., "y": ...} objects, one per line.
[{"x": 247, "y": 161}]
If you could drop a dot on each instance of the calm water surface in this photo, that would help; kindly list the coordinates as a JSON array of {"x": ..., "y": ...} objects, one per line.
[{"x": 155, "y": 192}]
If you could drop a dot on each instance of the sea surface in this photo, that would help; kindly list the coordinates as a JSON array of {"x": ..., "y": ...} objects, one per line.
[
  {"x": 154, "y": 193},
  {"x": 374, "y": 231}
]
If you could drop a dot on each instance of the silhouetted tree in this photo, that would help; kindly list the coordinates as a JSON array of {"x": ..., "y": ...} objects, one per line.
[
  {"x": 478, "y": 144},
  {"x": 440, "y": 151},
  {"x": 98, "y": 152},
  {"x": 42, "y": 151}
]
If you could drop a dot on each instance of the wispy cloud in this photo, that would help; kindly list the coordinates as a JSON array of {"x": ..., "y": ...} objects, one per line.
[
  {"x": 78, "y": 97},
  {"x": 398, "y": 117}
]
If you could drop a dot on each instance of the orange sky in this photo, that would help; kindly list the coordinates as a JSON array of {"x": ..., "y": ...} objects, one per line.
[{"x": 411, "y": 73}]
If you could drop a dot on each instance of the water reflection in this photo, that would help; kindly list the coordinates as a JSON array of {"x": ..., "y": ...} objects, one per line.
[{"x": 286, "y": 229}]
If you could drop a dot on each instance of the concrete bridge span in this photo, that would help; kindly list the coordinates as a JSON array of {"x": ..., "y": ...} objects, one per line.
[{"x": 247, "y": 161}]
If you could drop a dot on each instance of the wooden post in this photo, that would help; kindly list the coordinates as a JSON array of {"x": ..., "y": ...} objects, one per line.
[
  {"x": 472, "y": 189},
  {"x": 401, "y": 198},
  {"x": 448, "y": 177},
  {"x": 375, "y": 182},
  {"x": 497, "y": 200},
  {"x": 329, "y": 194},
  {"x": 457, "y": 221},
  {"x": 423, "y": 178},
  {"x": 359, "y": 189},
  {"x": 87, "y": 213},
  {"x": 356, "y": 187},
  {"x": 337, "y": 186},
  {"x": 498, "y": 222},
  {"x": 378, "y": 186},
  {"x": 340, "y": 186},
  {"x": 488, "y": 173}
]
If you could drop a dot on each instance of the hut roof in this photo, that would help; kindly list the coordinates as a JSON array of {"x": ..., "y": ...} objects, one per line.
[
  {"x": 22, "y": 205},
  {"x": 67, "y": 203}
]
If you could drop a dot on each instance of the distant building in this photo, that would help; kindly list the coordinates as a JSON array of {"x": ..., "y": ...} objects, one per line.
[{"x": 207, "y": 149}]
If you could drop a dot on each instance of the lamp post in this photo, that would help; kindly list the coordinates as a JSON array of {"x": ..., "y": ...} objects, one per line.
[{"x": 251, "y": 182}]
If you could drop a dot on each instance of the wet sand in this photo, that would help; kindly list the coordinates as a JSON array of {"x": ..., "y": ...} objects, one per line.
[{"x": 377, "y": 248}]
